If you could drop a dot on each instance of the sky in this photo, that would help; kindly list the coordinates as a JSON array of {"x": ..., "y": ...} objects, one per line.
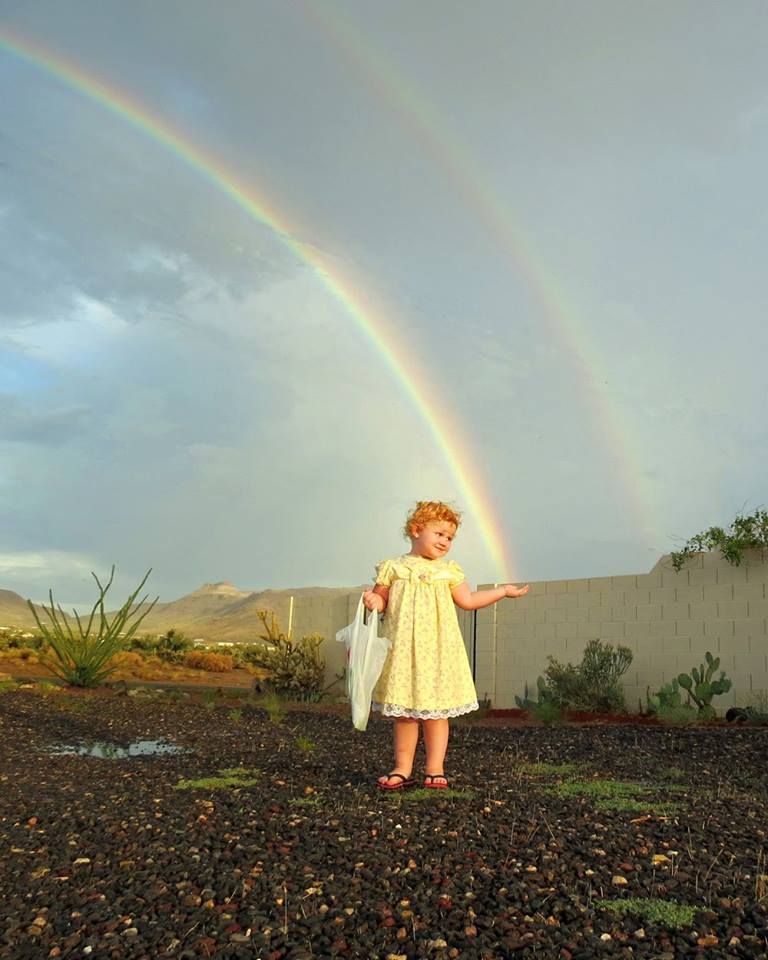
[{"x": 271, "y": 272}]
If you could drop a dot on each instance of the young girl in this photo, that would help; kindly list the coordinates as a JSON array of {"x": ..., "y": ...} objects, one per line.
[{"x": 426, "y": 677}]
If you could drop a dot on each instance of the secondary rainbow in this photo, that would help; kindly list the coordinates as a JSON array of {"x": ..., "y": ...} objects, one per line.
[
  {"x": 455, "y": 160},
  {"x": 346, "y": 290}
]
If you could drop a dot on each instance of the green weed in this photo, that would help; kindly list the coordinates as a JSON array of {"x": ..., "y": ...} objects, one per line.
[
  {"x": 426, "y": 794},
  {"x": 549, "y": 769},
  {"x": 232, "y": 778},
  {"x": 664, "y": 912}
]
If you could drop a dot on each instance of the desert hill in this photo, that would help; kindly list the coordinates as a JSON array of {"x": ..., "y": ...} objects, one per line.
[
  {"x": 14, "y": 611},
  {"x": 215, "y": 611}
]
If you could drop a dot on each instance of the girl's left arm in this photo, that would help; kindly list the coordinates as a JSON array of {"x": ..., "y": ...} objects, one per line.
[{"x": 463, "y": 597}]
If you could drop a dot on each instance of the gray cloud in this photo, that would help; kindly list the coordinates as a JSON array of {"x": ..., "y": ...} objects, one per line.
[{"x": 181, "y": 389}]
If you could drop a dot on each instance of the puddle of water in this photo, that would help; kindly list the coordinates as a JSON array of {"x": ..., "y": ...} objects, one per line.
[{"x": 115, "y": 751}]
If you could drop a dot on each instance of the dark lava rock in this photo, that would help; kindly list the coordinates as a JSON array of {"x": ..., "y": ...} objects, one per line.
[{"x": 300, "y": 855}]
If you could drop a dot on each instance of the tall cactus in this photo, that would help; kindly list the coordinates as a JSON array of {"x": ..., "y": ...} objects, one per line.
[{"x": 700, "y": 686}]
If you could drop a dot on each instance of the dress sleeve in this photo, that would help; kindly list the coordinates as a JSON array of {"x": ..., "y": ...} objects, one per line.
[
  {"x": 457, "y": 574},
  {"x": 385, "y": 573}
]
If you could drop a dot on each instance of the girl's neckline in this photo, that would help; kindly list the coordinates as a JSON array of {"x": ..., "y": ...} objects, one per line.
[{"x": 413, "y": 556}]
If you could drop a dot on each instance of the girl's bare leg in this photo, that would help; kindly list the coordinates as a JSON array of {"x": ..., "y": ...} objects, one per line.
[
  {"x": 406, "y": 734},
  {"x": 436, "y": 742}
]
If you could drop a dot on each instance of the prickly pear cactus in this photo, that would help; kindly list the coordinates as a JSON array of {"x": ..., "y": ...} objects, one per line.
[{"x": 700, "y": 686}]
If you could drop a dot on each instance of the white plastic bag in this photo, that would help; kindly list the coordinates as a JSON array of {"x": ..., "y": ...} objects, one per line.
[{"x": 367, "y": 652}]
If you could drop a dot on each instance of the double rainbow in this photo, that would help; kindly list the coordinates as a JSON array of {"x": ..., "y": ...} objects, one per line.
[
  {"x": 349, "y": 291},
  {"x": 423, "y": 123}
]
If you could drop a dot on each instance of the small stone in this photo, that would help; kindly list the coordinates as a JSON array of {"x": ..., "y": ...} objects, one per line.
[
  {"x": 659, "y": 859},
  {"x": 606, "y": 937},
  {"x": 437, "y": 944},
  {"x": 131, "y": 932},
  {"x": 708, "y": 941},
  {"x": 619, "y": 881}
]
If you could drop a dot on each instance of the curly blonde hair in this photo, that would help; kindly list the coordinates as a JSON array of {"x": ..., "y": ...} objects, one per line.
[{"x": 426, "y": 511}]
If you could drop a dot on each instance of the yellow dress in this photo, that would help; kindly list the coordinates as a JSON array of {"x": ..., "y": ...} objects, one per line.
[{"x": 426, "y": 674}]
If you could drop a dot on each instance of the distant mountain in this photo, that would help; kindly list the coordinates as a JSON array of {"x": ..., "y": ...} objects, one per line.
[
  {"x": 14, "y": 611},
  {"x": 219, "y": 611},
  {"x": 215, "y": 611}
]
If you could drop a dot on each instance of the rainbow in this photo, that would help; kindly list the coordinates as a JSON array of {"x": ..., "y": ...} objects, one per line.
[
  {"x": 348, "y": 291},
  {"x": 425, "y": 125}
]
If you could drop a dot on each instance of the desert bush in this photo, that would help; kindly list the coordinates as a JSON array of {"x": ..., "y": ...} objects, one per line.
[
  {"x": 594, "y": 683},
  {"x": 682, "y": 714},
  {"x": 14, "y": 638},
  {"x": 83, "y": 657},
  {"x": 171, "y": 646},
  {"x": 21, "y": 653},
  {"x": 547, "y": 712},
  {"x": 205, "y": 660},
  {"x": 296, "y": 668},
  {"x": 144, "y": 643},
  {"x": 129, "y": 661},
  {"x": 745, "y": 533}
]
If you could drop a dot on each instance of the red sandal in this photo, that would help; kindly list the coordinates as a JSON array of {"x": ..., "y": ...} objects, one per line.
[
  {"x": 404, "y": 782},
  {"x": 436, "y": 781}
]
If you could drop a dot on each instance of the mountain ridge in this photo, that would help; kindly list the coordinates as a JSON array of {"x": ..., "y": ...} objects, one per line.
[{"x": 214, "y": 611}]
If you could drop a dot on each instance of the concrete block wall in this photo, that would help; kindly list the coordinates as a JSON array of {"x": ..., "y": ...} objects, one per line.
[{"x": 668, "y": 619}]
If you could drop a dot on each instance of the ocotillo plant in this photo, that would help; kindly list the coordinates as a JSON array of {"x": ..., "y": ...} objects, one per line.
[
  {"x": 701, "y": 687},
  {"x": 83, "y": 657}
]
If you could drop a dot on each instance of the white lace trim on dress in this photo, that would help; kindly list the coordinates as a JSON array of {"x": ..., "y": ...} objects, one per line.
[{"x": 395, "y": 710}]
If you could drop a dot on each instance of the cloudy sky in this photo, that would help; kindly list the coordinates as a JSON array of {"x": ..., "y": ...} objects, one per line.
[{"x": 509, "y": 254}]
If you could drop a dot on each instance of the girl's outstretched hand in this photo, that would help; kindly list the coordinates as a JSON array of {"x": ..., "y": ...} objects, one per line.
[
  {"x": 373, "y": 601},
  {"x": 513, "y": 591}
]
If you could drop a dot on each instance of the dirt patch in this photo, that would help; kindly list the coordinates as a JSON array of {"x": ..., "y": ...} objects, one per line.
[{"x": 243, "y": 679}]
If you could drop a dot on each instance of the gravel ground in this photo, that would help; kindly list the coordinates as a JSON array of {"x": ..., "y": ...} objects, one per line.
[{"x": 301, "y": 856}]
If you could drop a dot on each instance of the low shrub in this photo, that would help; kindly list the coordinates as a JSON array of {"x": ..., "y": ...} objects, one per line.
[
  {"x": 211, "y": 662},
  {"x": 128, "y": 660},
  {"x": 547, "y": 712},
  {"x": 14, "y": 638},
  {"x": 170, "y": 647},
  {"x": 682, "y": 714},
  {"x": 592, "y": 685},
  {"x": 296, "y": 668}
]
